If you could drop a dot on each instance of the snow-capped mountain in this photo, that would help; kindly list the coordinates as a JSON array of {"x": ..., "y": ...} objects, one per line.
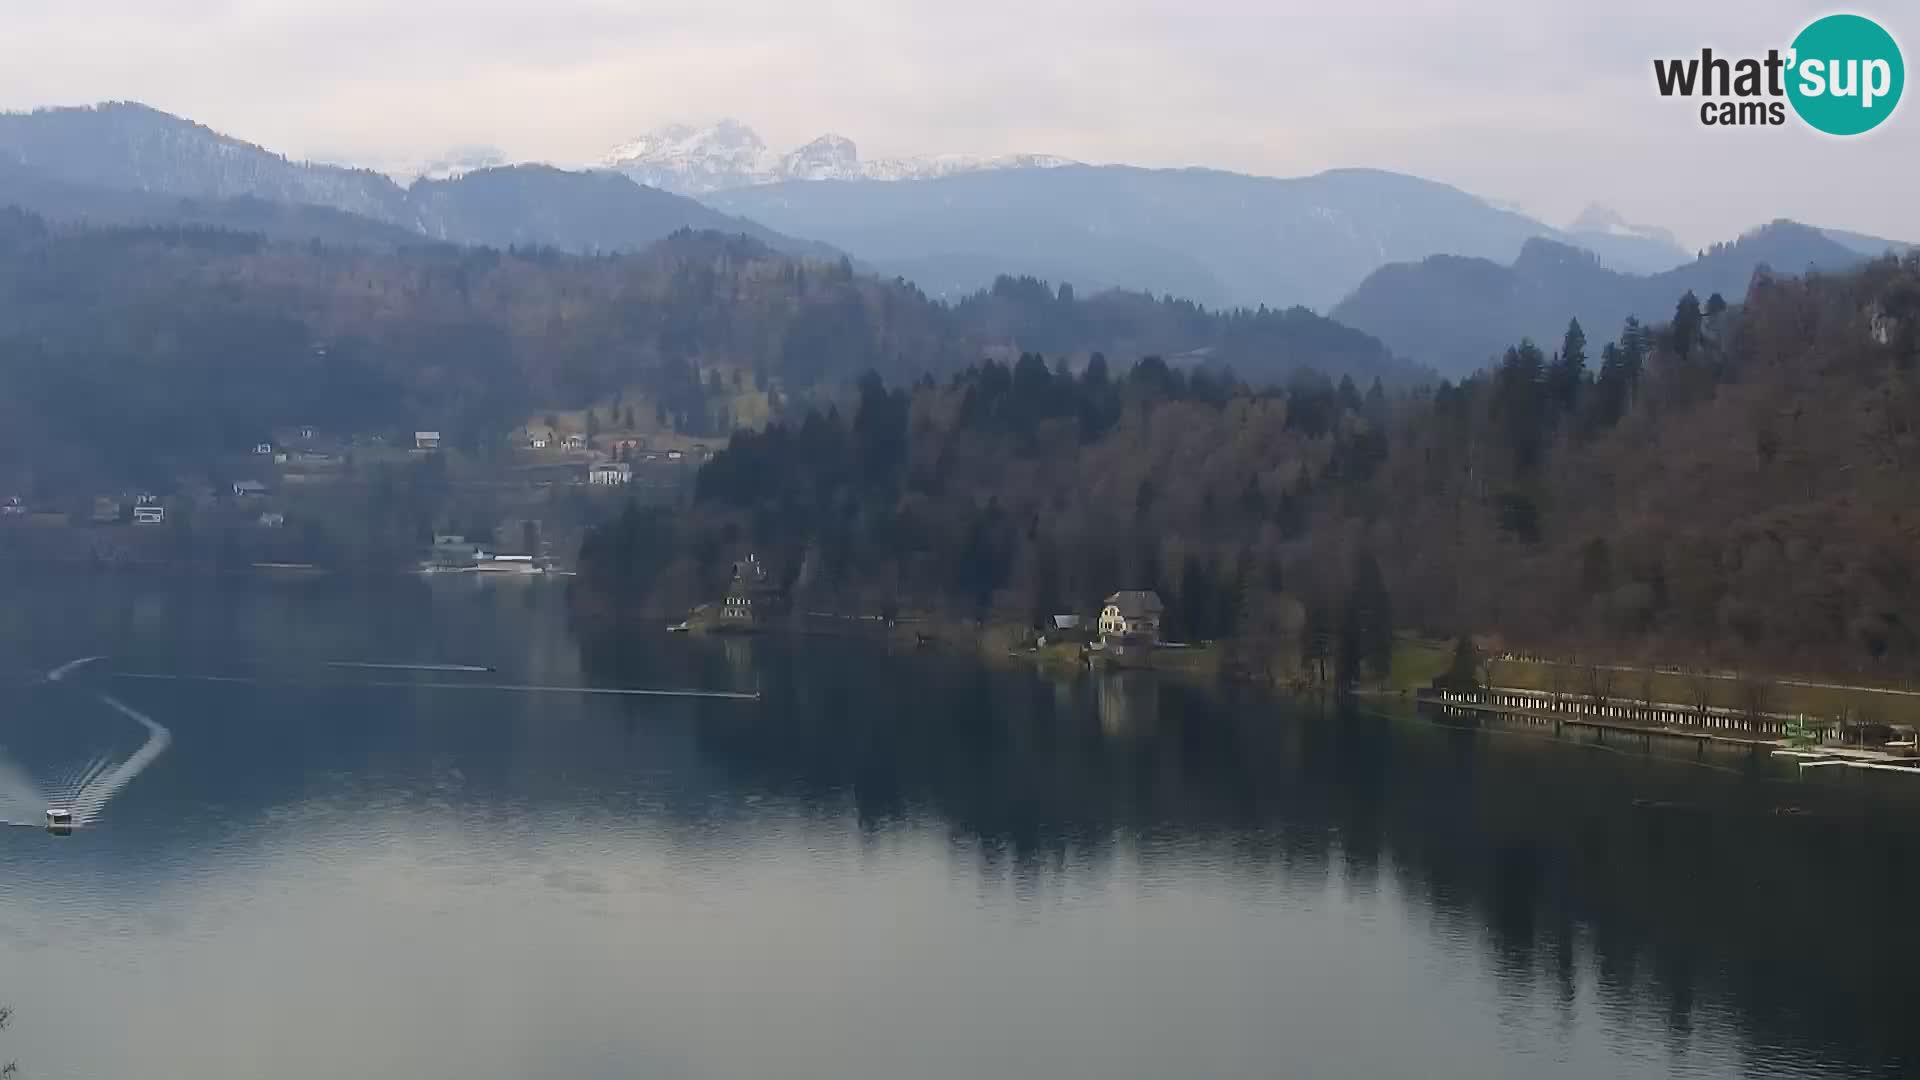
[
  {"x": 125, "y": 161},
  {"x": 1640, "y": 249},
  {"x": 460, "y": 161},
  {"x": 694, "y": 161},
  {"x": 1604, "y": 219}
]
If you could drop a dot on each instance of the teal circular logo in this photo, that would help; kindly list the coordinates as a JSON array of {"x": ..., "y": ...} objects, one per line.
[{"x": 1845, "y": 75}]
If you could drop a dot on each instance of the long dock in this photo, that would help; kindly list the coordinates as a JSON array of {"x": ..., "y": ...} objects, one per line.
[
  {"x": 1631, "y": 721},
  {"x": 1644, "y": 723}
]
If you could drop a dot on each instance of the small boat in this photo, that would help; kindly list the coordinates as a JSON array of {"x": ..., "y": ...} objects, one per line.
[{"x": 59, "y": 820}]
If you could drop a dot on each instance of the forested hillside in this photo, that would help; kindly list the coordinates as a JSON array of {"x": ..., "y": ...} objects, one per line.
[
  {"x": 1733, "y": 486},
  {"x": 123, "y": 347}
]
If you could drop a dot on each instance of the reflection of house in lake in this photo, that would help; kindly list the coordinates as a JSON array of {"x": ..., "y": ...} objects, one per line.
[
  {"x": 1129, "y": 701},
  {"x": 752, "y": 597},
  {"x": 738, "y": 652}
]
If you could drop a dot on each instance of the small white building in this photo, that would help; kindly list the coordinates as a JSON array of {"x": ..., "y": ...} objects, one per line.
[
  {"x": 264, "y": 449},
  {"x": 147, "y": 510},
  {"x": 426, "y": 440},
  {"x": 574, "y": 442},
  {"x": 610, "y": 473},
  {"x": 272, "y": 519},
  {"x": 249, "y": 489}
]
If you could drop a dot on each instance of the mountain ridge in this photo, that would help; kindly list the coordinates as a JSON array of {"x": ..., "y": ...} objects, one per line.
[
  {"x": 728, "y": 154},
  {"x": 1456, "y": 313},
  {"x": 131, "y": 147}
]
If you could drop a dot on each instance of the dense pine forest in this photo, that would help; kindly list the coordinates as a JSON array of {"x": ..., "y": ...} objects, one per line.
[{"x": 1733, "y": 486}]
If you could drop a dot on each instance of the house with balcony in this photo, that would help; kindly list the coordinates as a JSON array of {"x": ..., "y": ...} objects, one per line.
[
  {"x": 753, "y": 597},
  {"x": 1130, "y": 621}
]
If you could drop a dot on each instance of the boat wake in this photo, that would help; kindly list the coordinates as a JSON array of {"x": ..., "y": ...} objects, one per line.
[
  {"x": 81, "y": 795},
  {"x": 60, "y": 673},
  {"x": 101, "y": 783}
]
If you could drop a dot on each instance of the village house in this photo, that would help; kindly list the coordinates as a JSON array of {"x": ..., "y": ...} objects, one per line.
[
  {"x": 454, "y": 550},
  {"x": 752, "y": 596},
  {"x": 147, "y": 510},
  {"x": 245, "y": 489},
  {"x": 1131, "y": 620},
  {"x": 14, "y": 505},
  {"x": 272, "y": 519},
  {"x": 574, "y": 442},
  {"x": 264, "y": 449},
  {"x": 610, "y": 473},
  {"x": 426, "y": 440}
]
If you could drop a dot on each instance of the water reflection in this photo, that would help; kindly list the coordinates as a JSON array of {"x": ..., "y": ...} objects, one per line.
[
  {"x": 1129, "y": 701},
  {"x": 1111, "y": 873}
]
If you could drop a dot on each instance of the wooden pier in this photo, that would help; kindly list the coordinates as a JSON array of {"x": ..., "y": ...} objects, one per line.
[{"x": 1621, "y": 720}]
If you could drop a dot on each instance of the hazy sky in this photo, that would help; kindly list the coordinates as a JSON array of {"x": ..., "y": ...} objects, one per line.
[{"x": 1547, "y": 105}]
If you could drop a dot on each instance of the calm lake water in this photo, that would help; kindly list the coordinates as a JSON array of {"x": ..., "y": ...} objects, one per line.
[{"x": 888, "y": 866}]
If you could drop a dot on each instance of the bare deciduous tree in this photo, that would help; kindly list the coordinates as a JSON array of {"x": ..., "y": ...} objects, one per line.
[
  {"x": 1700, "y": 693},
  {"x": 1599, "y": 683},
  {"x": 1559, "y": 681},
  {"x": 1756, "y": 694}
]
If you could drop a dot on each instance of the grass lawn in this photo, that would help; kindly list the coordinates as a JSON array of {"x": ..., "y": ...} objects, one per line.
[{"x": 1417, "y": 662}]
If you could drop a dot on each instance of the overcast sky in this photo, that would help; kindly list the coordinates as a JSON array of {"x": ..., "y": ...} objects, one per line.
[{"x": 1542, "y": 104}]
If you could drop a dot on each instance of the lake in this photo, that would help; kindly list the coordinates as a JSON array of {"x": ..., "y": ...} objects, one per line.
[{"x": 888, "y": 865}]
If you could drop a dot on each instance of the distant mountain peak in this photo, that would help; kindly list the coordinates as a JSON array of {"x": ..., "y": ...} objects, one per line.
[
  {"x": 1597, "y": 218},
  {"x": 729, "y": 154},
  {"x": 829, "y": 157},
  {"x": 461, "y": 160}
]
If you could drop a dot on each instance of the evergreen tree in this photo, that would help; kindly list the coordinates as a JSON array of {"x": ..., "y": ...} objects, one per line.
[
  {"x": 1463, "y": 674},
  {"x": 1685, "y": 330},
  {"x": 1518, "y": 398},
  {"x": 1349, "y": 395},
  {"x": 1367, "y": 626},
  {"x": 1096, "y": 376},
  {"x": 1636, "y": 343},
  {"x": 1195, "y": 609},
  {"x": 1569, "y": 371}
]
